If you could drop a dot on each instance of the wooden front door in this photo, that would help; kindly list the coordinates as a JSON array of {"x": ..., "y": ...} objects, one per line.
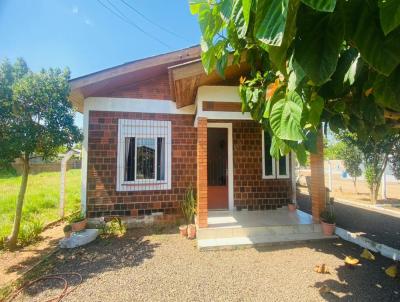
[{"x": 217, "y": 168}]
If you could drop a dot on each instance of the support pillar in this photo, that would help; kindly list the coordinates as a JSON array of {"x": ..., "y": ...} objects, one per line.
[
  {"x": 202, "y": 182},
  {"x": 318, "y": 192}
]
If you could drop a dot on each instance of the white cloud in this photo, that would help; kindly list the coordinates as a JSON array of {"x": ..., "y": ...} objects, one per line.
[{"x": 75, "y": 10}]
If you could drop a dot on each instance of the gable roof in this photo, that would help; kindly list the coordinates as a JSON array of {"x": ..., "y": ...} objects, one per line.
[
  {"x": 135, "y": 71},
  {"x": 184, "y": 69}
]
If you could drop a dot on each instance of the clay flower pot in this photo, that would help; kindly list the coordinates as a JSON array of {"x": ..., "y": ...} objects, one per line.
[
  {"x": 79, "y": 226},
  {"x": 328, "y": 228},
  {"x": 191, "y": 230},
  {"x": 183, "y": 230},
  {"x": 292, "y": 207}
]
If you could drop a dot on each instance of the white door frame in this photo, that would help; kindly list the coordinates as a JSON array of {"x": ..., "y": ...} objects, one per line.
[{"x": 230, "y": 159}]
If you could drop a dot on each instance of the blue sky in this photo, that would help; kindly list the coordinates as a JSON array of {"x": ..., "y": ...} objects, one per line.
[{"x": 86, "y": 37}]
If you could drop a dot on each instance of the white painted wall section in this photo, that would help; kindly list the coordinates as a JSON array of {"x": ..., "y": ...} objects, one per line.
[{"x": 219, "y": 94}]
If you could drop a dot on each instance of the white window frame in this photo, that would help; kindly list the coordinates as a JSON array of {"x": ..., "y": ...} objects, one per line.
[
  {"x": 264, "y": 176},
  {"x": 128, "y": 128},
  {"x": 275, "y": 165}
]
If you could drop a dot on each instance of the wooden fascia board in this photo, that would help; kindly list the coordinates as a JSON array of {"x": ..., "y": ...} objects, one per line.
[{"x": 166, "y": 59}]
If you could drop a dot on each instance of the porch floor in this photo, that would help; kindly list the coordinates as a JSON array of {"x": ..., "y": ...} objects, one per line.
[
  {"x": 232, "y": 229},
  {"x": 238, "y": 219}
]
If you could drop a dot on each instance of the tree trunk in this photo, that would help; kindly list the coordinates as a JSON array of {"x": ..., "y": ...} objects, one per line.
[
  {"x": 12, "y": 239},
  {"x": 374, "y": 193},
  {"x": 355, "y": 184}
]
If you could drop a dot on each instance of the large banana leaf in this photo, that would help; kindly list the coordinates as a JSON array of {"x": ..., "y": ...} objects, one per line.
[
  {"x": 285, "y": 117},
  {"x": 321, "y": 5},
  {"x": 318, "y": 43},
  {"x": 271, "y": 21}
]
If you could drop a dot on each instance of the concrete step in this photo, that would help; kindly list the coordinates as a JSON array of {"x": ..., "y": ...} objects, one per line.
[
  {"x": 271, "y": 230},
  {"x": 260, "y": 240}
]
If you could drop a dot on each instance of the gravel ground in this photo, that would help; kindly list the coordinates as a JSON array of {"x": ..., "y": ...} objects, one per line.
[
  {"x": 165, "y": 267},
  {"x": 376, "y": 226}
]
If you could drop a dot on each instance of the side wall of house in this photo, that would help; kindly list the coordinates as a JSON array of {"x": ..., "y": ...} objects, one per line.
[
  {"x": 251, "y": 191},
  {"x": 102, "y": 197}
]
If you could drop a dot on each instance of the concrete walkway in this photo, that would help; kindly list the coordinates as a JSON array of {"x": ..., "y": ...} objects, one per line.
[{"x": 376, "y": 224}]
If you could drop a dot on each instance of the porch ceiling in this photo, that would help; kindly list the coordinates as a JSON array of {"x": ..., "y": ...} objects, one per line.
[{"x": 187, "y": 77}]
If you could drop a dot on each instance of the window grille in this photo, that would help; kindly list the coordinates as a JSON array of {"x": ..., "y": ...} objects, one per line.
[{"x": 144, "y": 155}]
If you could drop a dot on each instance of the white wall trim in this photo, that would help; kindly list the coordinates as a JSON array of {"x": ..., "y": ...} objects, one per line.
[
  {"x": 84, "y": 158},
  {"x": 293, "y": 175},
  {"x": 136, "y": 105},
  {"x": 275, "y": 164},
  {"x": 230, "y": 159},
  {"x": 263, "y": 160},
  {"x": 218, "y": 94},
  {"x": 287, "y": 174}
]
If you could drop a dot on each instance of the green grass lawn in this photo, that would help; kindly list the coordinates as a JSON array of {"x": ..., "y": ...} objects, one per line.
[{"x": 41, "y": 199}]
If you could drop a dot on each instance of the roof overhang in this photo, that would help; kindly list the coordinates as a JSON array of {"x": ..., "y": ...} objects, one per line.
[
  {"x": 96, "y": 83},
  {"x": 184, "y": 67},
  {"x": 187, "y": 77}
]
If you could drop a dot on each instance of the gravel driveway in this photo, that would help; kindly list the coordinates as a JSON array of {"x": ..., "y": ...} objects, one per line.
[{"x": 165, "y": 267}]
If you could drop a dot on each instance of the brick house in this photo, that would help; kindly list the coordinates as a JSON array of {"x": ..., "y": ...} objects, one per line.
[{"x": 156, "y": 126}]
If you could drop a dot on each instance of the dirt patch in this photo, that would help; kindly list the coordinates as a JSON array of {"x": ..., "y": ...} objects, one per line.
[
  {"x": 16, "y": 263},
  {"x": 147, "y": 267}
]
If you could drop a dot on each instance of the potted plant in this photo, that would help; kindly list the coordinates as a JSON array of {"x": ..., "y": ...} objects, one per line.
[
  {"x": 67, "y": 231},
  {"x": 292, "y": 207},
  {"x": 188, "y": 206},
  {"x": 78, "y": 222},
  {"x": 328, "y": 222}
]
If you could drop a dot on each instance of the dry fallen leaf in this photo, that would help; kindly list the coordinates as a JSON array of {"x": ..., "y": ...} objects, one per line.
[
  {"x": 366, "y": 254},
  {"x": 391, "y": 271},
  {"x": 351, "y": 261},
  {"x": 321, "y": 269}
]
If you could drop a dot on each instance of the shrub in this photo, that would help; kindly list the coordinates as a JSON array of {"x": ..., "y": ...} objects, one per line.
[
  {"x": 30, "y": 231},
  {"x": 188, "y": 206},
  {"x": 328, "y": 216},
  {"x": 67, "y": 228},
  {"x": 77, "y": 217},
  {"x": 114, "y": 228}
]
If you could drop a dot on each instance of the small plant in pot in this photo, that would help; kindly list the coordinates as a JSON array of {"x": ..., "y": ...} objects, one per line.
[
  {"x": 292, "y": 207},
  {"x": 188, "y": 206},
  {"x": 78, "y": 222},
  {"x": 67, "y": 231},
  {"x": 328, "y": 221}
]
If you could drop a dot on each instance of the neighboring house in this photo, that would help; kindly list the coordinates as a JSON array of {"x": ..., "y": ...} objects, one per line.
[{"x": 156, "y": 126}]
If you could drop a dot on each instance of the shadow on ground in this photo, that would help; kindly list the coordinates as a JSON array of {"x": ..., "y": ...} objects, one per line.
[
  {"x": 102, "y": 255},
  {"x": 380, "y": 227}
]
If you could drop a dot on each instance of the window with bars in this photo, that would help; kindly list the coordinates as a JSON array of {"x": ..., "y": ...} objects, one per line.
[
  {"x": 144, "y": 155},
  {"x": 272, "y": 168}
]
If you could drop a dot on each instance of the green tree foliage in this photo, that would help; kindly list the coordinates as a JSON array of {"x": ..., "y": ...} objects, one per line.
[
  {"x": 36, "y": 118},
  {"x": 394, "y": 159},
  {"x": 352, "y": 158},
  {"x": 334, "y": 151},
  {"x": 333, "y": 61},
  {"x": 375, "y": 151}
]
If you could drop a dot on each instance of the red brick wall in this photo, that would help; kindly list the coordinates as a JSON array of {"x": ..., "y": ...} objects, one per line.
[
  {"x": 202, "y": 193},
  {"x": 318, "y": 179},
  {"x": 102, "y": 197},
  {"x": 251, "y": 191},
  {"x": 155, "y": 88}
]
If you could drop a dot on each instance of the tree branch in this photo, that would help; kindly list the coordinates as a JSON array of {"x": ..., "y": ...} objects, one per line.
[{"x": 392, "y": 115}]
